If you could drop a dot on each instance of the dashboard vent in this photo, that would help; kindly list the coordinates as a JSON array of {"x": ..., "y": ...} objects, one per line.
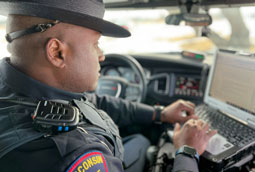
[{"x": 161, "y": 84}]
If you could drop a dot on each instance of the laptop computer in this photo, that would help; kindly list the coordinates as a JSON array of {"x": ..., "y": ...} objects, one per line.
[{"x": 229, "y": 107}]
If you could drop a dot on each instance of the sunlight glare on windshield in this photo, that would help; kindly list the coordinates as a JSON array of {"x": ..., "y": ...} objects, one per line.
[
  {"x": 3, "y": 43},
  {"x": 149, "y": 32}
]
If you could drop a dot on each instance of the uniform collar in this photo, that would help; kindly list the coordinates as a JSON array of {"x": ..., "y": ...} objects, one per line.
[{"x": 27, "y": 86}]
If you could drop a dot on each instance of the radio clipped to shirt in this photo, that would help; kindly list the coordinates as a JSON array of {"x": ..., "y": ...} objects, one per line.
[{"x": 54, "y": 117}]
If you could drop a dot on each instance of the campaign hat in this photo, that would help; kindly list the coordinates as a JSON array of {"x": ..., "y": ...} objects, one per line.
[{"x": 86, "y": 13}]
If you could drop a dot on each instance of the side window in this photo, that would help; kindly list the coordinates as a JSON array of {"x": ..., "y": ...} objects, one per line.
[
  {"x": 3, "y": 42},
  {"x": 233, "y": 28}
]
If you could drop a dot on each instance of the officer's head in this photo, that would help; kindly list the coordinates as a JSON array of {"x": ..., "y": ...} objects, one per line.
[{"x": 66, "y": 55}]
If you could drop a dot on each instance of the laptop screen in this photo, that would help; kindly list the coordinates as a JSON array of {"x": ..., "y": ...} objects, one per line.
[
  {"x": 231, "y": 85},
  {"x": 233, "y": 81}
]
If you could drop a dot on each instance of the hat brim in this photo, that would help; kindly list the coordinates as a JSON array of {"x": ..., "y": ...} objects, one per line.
[{"x": 30, "y": 9}]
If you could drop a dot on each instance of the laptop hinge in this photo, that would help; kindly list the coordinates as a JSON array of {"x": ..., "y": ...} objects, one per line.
[
  {"x": 235, "y": 118},
  {"x": 251, "y": 123}
]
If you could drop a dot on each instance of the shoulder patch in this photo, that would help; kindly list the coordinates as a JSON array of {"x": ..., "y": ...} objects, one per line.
[{"x": 89, "y": 162}]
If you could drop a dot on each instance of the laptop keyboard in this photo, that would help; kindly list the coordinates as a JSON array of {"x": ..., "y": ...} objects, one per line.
[{"x": 235, "y": 132}]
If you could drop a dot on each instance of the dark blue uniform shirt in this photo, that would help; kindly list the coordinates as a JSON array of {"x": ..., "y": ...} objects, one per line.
[{"x": 22, "y": 149}]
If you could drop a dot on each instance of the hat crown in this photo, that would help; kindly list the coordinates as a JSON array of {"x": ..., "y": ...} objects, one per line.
[
  {"x": 93, "y": 8},
  {"x": 85, "y": 13}
]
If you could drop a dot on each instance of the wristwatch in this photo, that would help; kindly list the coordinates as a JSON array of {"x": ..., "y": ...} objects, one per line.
[
  {"x": 158, "y": 110},
  {"x": 189, "y": 151}
]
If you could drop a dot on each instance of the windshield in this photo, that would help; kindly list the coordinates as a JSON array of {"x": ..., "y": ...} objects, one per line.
[{"x": 232, "y": 28}]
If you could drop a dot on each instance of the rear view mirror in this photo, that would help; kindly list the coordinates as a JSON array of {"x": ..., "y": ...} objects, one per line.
[{"x": 191, "y": 19}]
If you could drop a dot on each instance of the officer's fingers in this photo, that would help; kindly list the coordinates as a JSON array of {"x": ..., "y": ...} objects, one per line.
[
  {"x": 190, "y": 117},
  {"x": 194, "y": 116},
  {"x": 211, "y": 133},
  {"x": 185, "y": 104},
  {"x": 188, "y": 109},
  {"x": 190, "y": 104},
  {"x": 177, "y": 127},
  {"x": 200, "y": 123},
  {"x": 205, "y": 127},
  {"x": 190, "y": 122}
]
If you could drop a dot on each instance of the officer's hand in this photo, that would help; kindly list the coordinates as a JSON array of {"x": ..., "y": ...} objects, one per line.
[
  {"x": 174, "y": 113},
  {"x": 194, "y": 133}
]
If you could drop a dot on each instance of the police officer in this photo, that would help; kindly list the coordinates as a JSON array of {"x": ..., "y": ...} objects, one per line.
[{"x": 54, "y": 60}]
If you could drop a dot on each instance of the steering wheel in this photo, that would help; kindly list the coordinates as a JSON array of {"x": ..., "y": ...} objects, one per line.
[{"x": 119, "y": 86}]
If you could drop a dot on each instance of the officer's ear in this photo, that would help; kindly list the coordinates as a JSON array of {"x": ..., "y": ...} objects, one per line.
[{"x": 56, "y": 52}]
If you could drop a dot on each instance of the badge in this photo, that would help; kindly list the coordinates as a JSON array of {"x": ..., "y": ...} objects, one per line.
[{"x": 89, "y": 162}]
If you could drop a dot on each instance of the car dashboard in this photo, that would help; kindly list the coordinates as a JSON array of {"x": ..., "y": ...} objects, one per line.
[{"x": 168, "y": 76}]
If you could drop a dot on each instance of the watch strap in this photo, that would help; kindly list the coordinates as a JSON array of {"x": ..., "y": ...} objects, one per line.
[
  {"x": 157, "y": 111},
  {"x": 189, "y": 151}
]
